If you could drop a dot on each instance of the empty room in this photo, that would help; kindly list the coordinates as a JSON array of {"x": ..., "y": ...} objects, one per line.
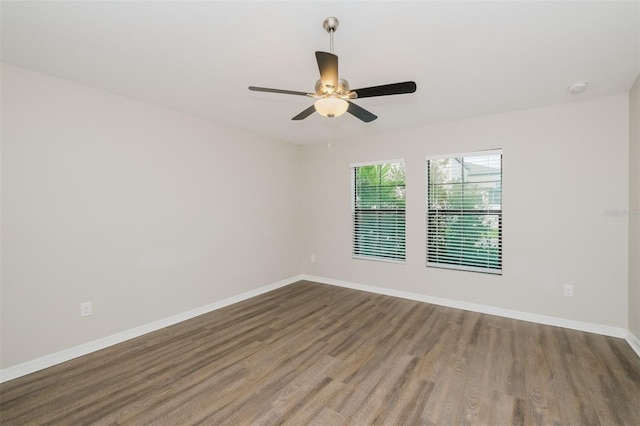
[{"x": 320, "y": 213}]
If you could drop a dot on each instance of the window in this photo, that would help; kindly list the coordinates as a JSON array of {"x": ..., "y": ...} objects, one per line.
[
  {"x": 464, "y": 211},
  {"x": 379, "y": 210}
]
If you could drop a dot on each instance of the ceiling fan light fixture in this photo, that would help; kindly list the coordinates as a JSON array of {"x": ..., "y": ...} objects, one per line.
[{"x": 331, "y": 106}]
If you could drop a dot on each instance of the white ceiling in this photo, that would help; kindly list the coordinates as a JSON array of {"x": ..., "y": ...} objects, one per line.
[{"x": 467, "y": 58}]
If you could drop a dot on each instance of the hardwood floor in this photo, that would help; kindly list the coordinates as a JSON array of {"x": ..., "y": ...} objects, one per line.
[{"x": 316, "y": 354}]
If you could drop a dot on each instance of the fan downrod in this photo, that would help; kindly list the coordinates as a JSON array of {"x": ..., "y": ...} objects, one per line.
[{"x": 330, "y": 24}]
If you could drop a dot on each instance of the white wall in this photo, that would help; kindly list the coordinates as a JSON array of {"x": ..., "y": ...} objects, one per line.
[
  {"x": 634, "y": 209},
  {"x": 150, "y": 213},
  {"x": 565, "y": 167},
  {"x": 143, "y": 211}
]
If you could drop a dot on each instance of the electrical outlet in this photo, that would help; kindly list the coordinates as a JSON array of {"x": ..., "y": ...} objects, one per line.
[
  {"x": 313, "y": 258},
  {"x": 86, "y": 309},
  {"x": 568, "y": 290}
]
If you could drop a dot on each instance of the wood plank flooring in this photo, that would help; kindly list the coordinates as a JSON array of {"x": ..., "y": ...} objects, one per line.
[{"x": 314, "y": 354}]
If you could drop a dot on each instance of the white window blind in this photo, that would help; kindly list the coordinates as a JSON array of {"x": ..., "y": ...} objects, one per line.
[
  {"x": 379, "y": 210},
  {"x": 464, "y": 211}
]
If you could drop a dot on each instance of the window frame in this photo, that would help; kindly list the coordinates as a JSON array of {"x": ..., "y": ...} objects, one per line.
[
  {"x": 463, "y": 211},
  {"x": 354, "y": 211}
]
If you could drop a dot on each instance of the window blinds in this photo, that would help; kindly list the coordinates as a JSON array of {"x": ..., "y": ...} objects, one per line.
[
  {"x": 379, "y": 211},
  {"x": 464, "y": 211}
]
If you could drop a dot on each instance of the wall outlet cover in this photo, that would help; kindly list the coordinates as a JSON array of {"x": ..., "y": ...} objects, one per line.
[
  {"x": 568, "y": 290},
  {"x": 86, "y": 309}
]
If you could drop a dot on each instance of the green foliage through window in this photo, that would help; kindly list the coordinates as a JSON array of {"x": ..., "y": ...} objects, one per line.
[
  {"x": 379, "y": 211},
  {"x": 464, "y": 212}
]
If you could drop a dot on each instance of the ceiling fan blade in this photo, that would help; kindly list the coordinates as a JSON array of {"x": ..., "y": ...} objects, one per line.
[
  {"x": 387, "y": 89},
  {"x": 304, "y": 114},
  {"x": 361, "y": 113},
  {"x": 328, "y": 66},
  {"x": 286, "y": 92}
]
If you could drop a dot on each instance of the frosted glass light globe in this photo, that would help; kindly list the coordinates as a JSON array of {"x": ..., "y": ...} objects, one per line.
[{"x": 331, "y": 106}]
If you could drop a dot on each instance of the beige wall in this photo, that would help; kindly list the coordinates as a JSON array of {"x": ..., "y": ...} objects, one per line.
[
  {"x": 143, "y": 211},
  {"x": 565, "y": 168},
  {"x": 634, "y": 209}
]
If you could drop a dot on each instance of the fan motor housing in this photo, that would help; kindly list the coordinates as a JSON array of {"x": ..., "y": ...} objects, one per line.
[{"x": 343, "y": 88}]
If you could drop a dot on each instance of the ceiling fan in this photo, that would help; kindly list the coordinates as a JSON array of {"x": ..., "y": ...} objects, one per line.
[{"x": 332, "y": 94}]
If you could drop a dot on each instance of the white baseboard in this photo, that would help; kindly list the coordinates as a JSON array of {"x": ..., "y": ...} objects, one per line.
[
  {"x": 485, "y": 309},
  {"x": 634, "y": 342},
  {"x": 29, "y": 367}
]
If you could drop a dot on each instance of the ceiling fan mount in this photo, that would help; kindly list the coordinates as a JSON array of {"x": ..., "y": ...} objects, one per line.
[
  {"x": 330, "y": 24},
  {"x": 332, "y": 94}
]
